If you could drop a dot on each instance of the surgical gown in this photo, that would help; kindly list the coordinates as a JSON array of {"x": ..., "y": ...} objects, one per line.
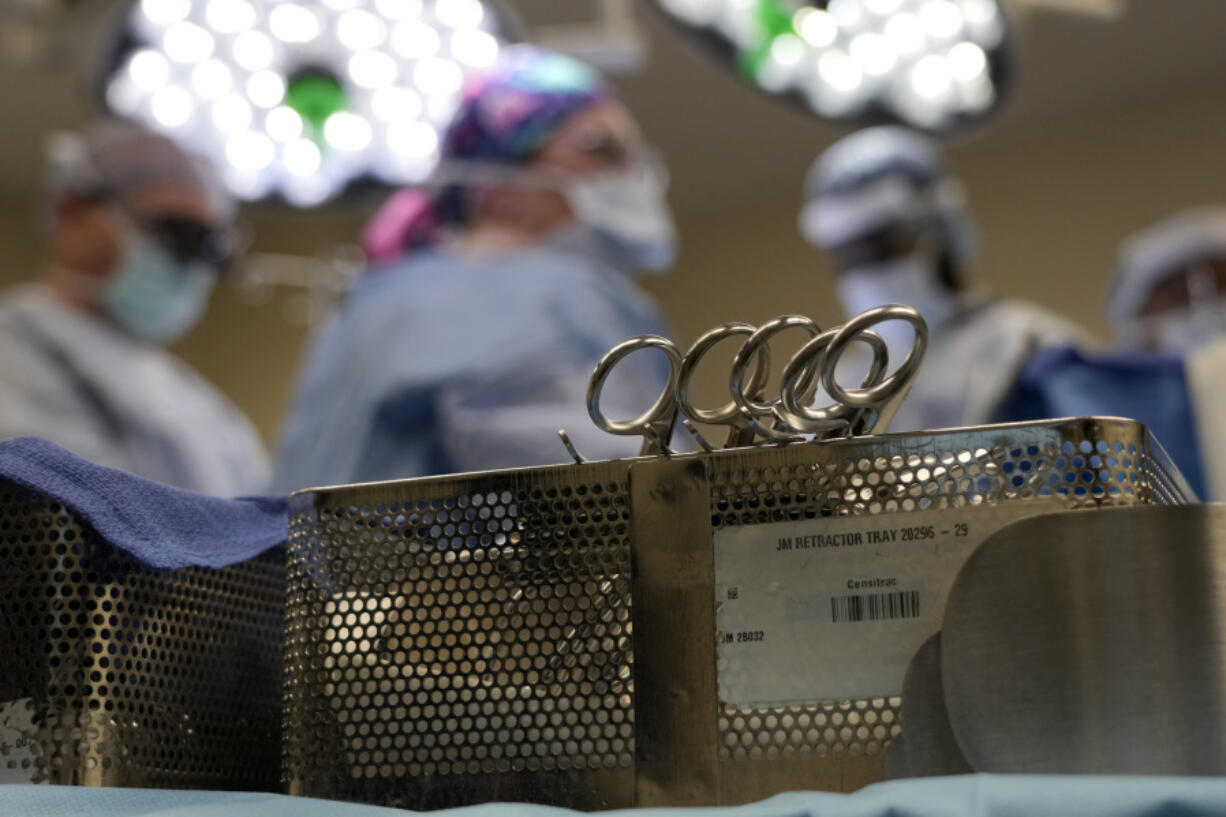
[
  {"x": 1180, "y": 399},
  {"x": 119, "y": 401},
  {"x": 452, "y": 362},
  {"x": 973, "y": 359}
]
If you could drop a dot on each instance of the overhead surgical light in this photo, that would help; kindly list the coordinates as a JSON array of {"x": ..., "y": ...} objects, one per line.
[
  {"x": 301, "y": 98},
  {"x": 930, "y": 64}
]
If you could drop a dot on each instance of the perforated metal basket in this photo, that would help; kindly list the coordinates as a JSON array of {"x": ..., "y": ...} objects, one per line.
[
  {"x": 112, "y": 675},
  {"x": 551, "y": 634}
]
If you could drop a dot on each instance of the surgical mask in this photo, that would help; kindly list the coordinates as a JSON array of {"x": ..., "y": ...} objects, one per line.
[
  {"x": 621, "y": 216},
  {"x": 1176, "y": 330},
  {"x": 153, "y": 295},
  {"x": 908, "y": 280},
  {"x": 628, "y": 211}
]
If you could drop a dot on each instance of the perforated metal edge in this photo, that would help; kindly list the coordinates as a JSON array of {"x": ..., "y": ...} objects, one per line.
[
  {"x": 136, "y": 678},
  {"x": 397, "y": 769}
]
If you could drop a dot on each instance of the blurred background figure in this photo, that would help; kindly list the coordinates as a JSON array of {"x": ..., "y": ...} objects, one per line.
[
  {"x": 884, "y": 205},
  {"x": 1169, "y": 293},
  {"x": 138, "y": 234},
  {"x": 490, "y": 299},
  {"x": 1169, "y": 320}
]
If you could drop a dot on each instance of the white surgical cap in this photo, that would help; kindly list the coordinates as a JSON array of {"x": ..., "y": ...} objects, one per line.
[
  {"x": 877, "y": 177},
  {"x": 119, "y": 159},
  {"x": 1155, "y": 254}
]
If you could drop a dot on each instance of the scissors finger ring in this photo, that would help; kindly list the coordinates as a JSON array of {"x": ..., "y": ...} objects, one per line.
[
  {"x": 813, "y": 355},
  {"x": 752, "y": 406},
  {"x": 730, "y": 412},
  {"x": 879, "y": 393},
  {"x": 656, "y": 423}
]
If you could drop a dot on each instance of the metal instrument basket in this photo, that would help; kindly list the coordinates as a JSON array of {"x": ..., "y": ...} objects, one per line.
[
  {"x": 114, "y": 675},
  {"x": 549, "y": 634}
]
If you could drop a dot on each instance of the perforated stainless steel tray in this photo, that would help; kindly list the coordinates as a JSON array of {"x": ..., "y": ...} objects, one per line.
[
  {"x": 549, "y": 634},
  {"x": 112, "y": 675}
]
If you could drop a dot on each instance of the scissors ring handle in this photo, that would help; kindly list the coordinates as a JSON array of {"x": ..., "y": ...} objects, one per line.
[
  {"x": 883, "y": 391},
  {"x": 751, "y": 406},
  {"x": 664, "y": 405},
  {"x": 729, "y": 413},
  {"x": 749, "y": 350},
  {"x": 813, "y": 355}
]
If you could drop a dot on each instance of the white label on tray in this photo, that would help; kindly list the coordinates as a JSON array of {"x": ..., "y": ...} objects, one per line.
[
  {"x": 834, "y": 608},
  {"x": 19, "y": 762}
]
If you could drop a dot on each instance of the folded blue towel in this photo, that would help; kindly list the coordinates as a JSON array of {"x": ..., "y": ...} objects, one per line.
[{"x": 161, "y": 527}]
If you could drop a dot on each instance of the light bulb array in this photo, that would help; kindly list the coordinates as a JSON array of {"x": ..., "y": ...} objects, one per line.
[
  {"x": 931, "y": 64},
  {"x": 299, "y": 99}
]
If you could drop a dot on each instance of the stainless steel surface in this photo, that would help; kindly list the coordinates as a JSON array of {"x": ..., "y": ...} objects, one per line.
[
  {"x": 895, "y": 765},
  {"x": 931, "y": 748},
  {"x": 434, "y": 624},
  {"x": 838, "y": 745},
  {"x": 125, "y": 677},
  {"x": 463, "y": 639},
  {"x": 1092, "y": 643},
  {"x": 676, "y": 760}
]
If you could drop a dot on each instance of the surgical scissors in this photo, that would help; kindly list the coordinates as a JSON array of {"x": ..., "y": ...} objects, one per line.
[
  {"x": 865, "y": 410},
  {"x": 752, "y": 407},
  {"x": 750, "y": 417},
  {"x": 656, "y": 424}
]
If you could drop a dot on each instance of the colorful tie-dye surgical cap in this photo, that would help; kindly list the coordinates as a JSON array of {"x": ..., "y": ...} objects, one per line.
[{"x": 507, "y": 115}]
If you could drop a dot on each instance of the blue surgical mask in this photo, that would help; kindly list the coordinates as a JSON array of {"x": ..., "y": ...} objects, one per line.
[{"x": 153, "y": 295}]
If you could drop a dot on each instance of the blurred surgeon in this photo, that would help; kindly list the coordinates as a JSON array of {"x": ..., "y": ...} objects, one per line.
[
  {"x": 1170, "y": 285},
  {"x": 882, "y": 203},
  {"x": 1170, "y": 297},
  {"x": 138, "y": 234},
  {"x": 1167, "y": 309},
  {"x": 491, "y": 298}
]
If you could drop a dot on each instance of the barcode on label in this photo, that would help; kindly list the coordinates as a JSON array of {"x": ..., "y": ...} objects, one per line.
[{"x": 875, "y": 607}]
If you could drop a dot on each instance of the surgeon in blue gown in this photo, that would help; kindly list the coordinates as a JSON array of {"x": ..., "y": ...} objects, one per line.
[
  {"x": 490, "y": 298},
  {"x": 1167, "y": 307}
]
